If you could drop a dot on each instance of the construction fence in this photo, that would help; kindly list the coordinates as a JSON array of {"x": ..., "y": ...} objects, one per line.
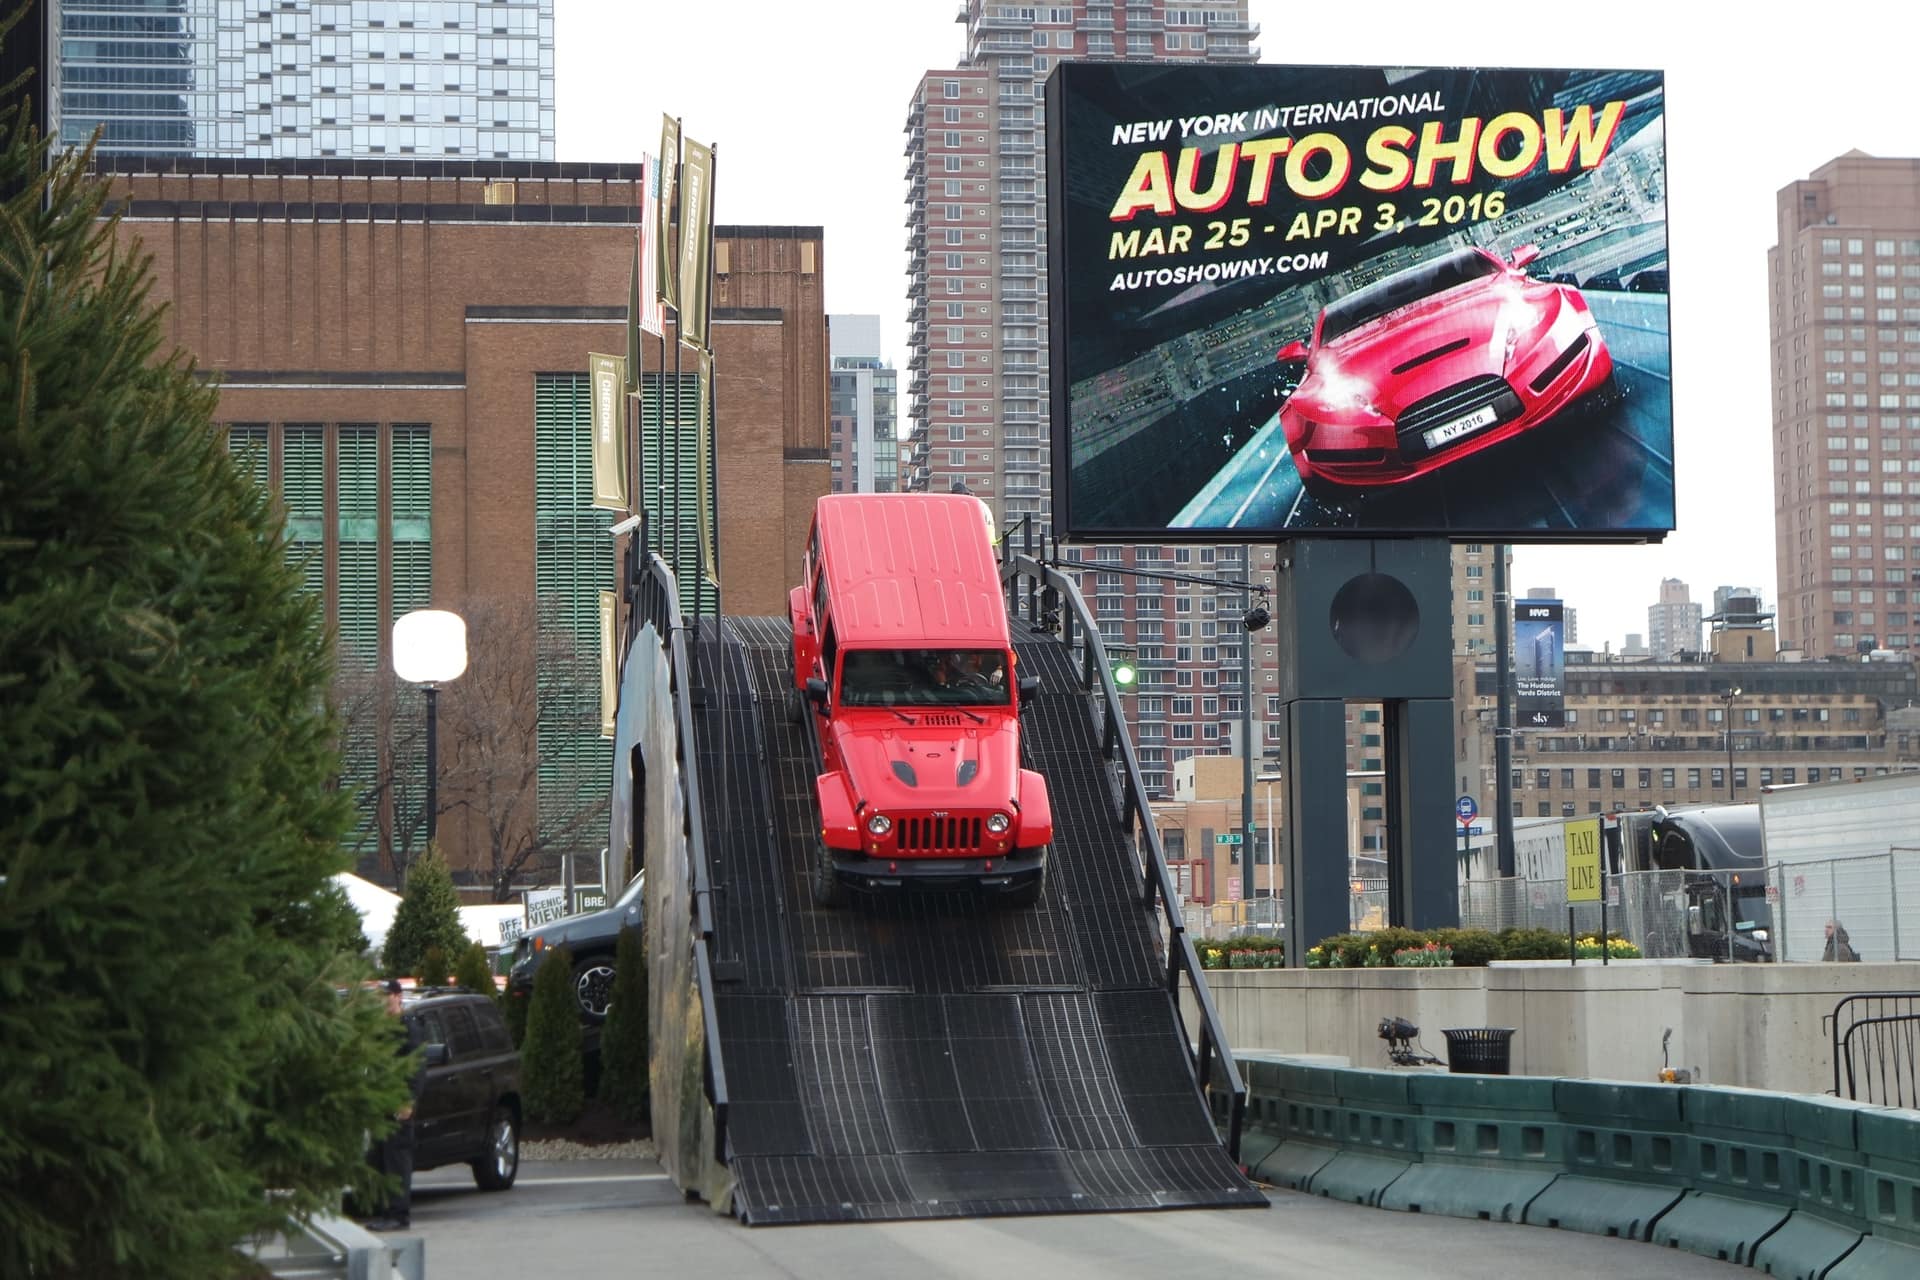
[{"x": 1873, "y": 902}]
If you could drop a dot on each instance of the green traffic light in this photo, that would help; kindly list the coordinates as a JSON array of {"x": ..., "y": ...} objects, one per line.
[{"x": 1124, "y": 672}]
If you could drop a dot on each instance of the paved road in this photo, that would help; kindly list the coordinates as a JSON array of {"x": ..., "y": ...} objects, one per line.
[{"x": 590, "y": 1219}]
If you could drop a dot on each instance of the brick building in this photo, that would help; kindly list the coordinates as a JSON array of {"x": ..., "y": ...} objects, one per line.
[{"x": 402, "y": 350}]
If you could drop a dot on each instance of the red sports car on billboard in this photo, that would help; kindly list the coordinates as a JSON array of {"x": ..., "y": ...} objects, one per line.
[{"x": 1434, "y": 363}]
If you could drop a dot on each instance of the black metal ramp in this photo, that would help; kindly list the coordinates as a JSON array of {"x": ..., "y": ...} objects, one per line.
[{"x": 931, "y": 1057}]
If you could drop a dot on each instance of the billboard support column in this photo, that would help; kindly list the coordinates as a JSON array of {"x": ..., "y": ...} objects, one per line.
[
  {"x": 1316, "y": 836},
  {"x": 1421, "y": 878},
  {"x": 1503, "y": 702}
]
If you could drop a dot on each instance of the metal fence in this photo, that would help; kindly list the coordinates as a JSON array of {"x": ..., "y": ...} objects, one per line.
[{"x": 1874, "y": 902}]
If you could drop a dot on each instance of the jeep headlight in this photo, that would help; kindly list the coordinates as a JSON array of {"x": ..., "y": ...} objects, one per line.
[
  {"x": 998, "y": 823},
  {"x": 879, "y": 824}
]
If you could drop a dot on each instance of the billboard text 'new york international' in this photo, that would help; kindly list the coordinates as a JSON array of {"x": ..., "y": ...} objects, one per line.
[{"x": 1358, "y": 300}]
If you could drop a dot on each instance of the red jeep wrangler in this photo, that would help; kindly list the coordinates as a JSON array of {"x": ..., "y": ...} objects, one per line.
[{"x": 902, "y": 665}]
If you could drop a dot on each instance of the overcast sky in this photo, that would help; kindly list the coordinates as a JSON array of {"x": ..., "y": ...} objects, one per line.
[{"x": 807, "y": 102}]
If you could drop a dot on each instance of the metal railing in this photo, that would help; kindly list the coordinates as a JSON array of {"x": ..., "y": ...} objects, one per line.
[
  {"x": 1876, "y": 1057},
  {"x": 1037, "y": 584},
  {"x": 657, "y": 600}
]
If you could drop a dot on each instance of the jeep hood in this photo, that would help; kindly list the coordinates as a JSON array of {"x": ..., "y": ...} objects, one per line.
[{"x": 902, "y": 766}]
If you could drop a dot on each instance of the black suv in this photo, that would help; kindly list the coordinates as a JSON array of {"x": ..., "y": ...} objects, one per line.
[
  {"x": 469, "y": 1106},
  {"x": 592, "y": 939}
]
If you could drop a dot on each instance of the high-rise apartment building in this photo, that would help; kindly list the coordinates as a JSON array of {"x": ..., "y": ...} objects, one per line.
[
  {"x": 1844, "y": 313},
  {"x": 977, "y": 228},
  {"x": 1673, "y": 624},
  {"x": 977, "y": 369},
  {"x": 1473, "y": 565},
  {"x": 863, "y": 393},
  {"x": 295, "y": 78}
]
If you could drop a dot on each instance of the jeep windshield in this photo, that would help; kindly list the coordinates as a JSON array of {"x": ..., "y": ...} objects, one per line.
[
  {"x": 924, "y": 678},
  {"x": 1403, "y": 289}
]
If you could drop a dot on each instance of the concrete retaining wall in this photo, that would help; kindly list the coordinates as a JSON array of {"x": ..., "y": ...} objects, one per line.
[{"x": 1752, "y": 1026}]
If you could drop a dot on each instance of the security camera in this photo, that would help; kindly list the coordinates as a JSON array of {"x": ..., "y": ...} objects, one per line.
[{"x": 624, "y": 526}]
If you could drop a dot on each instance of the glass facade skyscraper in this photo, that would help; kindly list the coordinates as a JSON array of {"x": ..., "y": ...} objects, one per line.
[{"x": 279, "y": 78}]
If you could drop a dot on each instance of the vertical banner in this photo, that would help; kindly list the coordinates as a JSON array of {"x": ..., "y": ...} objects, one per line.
[
  {"x": 609, "y": 668},
  {"x": 653, "y": 314},
  {"x": 1539, "y": 663},
  {"x": 609, "y": 378},
  {"x": 696, "y": 227},
  {"x": 709, "y": 501},
  {"x": 669, "y": 195}
]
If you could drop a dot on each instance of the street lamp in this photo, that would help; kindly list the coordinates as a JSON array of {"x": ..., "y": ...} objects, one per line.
[
  {"x": 1255, "y": 619},
  {"x": 430, "y": 648},
  {"x": 1727, "y": 700},
  {"x": 1273, "y": 847}
]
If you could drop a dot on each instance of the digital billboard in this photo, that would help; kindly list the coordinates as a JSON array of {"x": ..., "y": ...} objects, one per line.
[
  {"x": 1358, "y": 301},
  {"x": 1539, "y": 663}
]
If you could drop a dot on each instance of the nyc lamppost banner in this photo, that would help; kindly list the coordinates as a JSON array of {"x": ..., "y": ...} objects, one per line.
[
  {"x": 669, "y": 197},
  {"x": 609, "y": 672},
  {"x": 696, "y": 227},
  {"x": 1539, "y": 664},
  {"x": 653, "y": 313},
  {"x": 709, "y": 503},
  {"x": 608, "y": 378}
]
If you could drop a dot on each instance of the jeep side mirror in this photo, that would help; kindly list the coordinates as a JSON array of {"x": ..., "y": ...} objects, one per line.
[
  {"x": 817, "y": 692},
  {"x": 437, "y": 1055},
  {"x": 1693, "y": 919},
  {"x": 1029, "y": 690}
]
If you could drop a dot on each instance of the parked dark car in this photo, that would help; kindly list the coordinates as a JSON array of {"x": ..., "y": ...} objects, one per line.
[
  {"x": 468, "y": 1111},
  {"x": 592, "y": 937},
  {"x": 1652, "y": 280}
]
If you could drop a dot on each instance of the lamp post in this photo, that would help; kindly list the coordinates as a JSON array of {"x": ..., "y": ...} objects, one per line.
[
  {"x": 1273, "y": 847},
  {"x": 429, "y": 649},
  {"x": 1254, "y": 619},
  {"x": 1727, "y": 700}
]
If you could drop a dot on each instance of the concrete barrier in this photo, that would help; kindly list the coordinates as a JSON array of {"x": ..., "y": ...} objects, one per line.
[
  {"x": 1745, "y": 1025},
  {"x": 1801, "y": 1186}
]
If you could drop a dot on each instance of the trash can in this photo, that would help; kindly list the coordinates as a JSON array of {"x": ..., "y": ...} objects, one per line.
[{"x": 1486, "y": 1051}]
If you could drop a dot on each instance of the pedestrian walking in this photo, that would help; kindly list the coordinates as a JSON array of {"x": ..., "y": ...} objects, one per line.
[{"x": 393, "y": 1154}]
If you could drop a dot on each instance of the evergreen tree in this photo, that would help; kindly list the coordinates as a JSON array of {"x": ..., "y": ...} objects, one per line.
[
  {"x": 475, "y": 972},
  {"x": 433, "y": 969},
  {"x": 552, "y": 1070},
  {"x": 428, "y": 916},
  {"x": 178, "y": 1067},
  {"x": 623, "y": 1039}
]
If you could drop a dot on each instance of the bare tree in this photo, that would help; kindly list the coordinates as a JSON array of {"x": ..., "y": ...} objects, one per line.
[
  {"x": 383, "y": 760},
  {"x": 520, "y": 747}
]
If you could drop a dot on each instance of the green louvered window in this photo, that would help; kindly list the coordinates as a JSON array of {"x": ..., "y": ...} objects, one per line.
[
  {"x": 247, "y": 442},
  {"x": 670, "y": 445},
  {"x": 358, "y": 502},
  {"x": 303, "y": 491},
  {"x": 572, "y": 564},
  {"x": 410, "y": 472},
  {"x": 357, "y": 510}
]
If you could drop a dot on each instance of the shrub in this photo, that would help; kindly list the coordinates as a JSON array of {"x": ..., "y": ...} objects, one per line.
[
  {"x": 623, "y": 1038},
  {"x": 1472, "y": 948},
  {"x": 1532, "y": 944},
  {"x": 475, "y": 971},
  {"x": 179, "y": 1068},
  {"x": 552, "y": 1069},
  {"x": 515, "y": 1010},
  {"x": 428, "y": 916},
  {"x": 433, "y": 969}
]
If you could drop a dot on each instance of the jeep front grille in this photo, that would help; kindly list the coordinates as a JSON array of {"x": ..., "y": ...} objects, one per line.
[{"x": 939, "y": 837}]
